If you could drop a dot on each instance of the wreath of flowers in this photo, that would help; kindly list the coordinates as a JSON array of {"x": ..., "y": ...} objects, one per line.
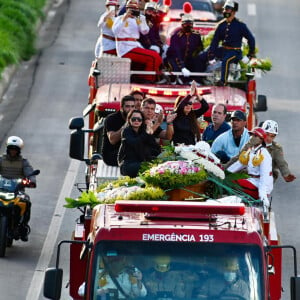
[
  {"x": 201, "y": 155},
  {"x": 174, "y": 174}
]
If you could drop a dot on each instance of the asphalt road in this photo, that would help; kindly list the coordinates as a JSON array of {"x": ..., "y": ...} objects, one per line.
[{"x": 52, "y": 87}]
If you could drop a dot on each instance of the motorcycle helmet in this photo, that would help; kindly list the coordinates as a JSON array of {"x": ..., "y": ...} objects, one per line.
[
  {"x": 14, "y": 141},
  {"x": 270, "y": 126}
]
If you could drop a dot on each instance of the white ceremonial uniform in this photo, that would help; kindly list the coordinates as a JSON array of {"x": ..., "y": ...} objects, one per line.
[
  {"x": 106, "y": 40},
  {"x": 127, "y": 32},
  {"x": 262, "y": 174}
]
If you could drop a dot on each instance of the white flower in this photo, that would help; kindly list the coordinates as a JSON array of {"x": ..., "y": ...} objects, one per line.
[{"x": 201, "y": 154}]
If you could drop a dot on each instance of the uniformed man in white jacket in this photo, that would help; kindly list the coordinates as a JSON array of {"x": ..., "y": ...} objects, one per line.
[
  {"x": 127, "y": 29},
  {"x": 106, "y": 41},
  {"x": 258, "y": 163}
]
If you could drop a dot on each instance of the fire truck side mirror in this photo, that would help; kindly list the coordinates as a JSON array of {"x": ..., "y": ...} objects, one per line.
[
  {"x": 295, "y": 287},
  {"x": 53, "y": 283},
  {"x": 76, "y": 150}
]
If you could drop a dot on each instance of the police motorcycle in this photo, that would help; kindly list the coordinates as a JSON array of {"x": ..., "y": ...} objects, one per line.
[{"x": 13, "y": 201}]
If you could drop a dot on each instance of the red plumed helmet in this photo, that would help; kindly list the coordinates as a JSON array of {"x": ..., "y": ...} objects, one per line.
[
  {"x": 187, "y": 17},
  {"x": 259, "y": 132},
  {"x": 187, "y": 7},
  {"x": 167, "y": 2}
]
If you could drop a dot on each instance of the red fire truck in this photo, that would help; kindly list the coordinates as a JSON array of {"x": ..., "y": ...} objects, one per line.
[{"x": 180, "y": 249}]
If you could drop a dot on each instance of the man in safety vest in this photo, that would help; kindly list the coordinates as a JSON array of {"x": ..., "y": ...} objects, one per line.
[{"x": 14, "y": 166}]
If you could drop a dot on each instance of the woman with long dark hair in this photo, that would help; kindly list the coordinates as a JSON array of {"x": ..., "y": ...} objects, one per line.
[
  {"x": 186, "y": 128},
  {"x": 137, "y": 144}
]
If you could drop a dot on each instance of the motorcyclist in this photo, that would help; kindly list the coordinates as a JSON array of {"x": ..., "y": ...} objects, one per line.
[{"x": 14, "y": 166}]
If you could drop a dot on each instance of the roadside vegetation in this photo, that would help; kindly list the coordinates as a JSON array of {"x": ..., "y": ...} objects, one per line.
[{"x": 18, "y": 20}]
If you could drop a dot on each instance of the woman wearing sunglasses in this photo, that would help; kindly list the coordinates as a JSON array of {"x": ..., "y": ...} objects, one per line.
[
  {"x": 186, "y": 128},
  {"x": 137, "y": 144}
]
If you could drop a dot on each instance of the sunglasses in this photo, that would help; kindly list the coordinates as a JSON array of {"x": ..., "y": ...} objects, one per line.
[
  {"x": 189, "y": 103},
  {"x": 136, "y": 119}
]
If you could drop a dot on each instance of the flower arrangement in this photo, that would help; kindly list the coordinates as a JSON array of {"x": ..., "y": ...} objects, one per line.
[
  {"x": 262, "y": 64},
  {"x": 125, "y": 188},
  {"x": 174, "y": 174},
  {"x": 201, "y": 155},
  {"x": 191, "y": 166}
]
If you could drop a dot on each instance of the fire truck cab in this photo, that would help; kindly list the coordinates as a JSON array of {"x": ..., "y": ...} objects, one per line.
[{"x": 181, "y": 249}]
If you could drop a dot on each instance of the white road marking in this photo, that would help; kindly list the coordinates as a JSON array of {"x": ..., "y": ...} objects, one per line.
[
  {"x": 251, "y": 8},
  {"x": 36, "y": 284}
]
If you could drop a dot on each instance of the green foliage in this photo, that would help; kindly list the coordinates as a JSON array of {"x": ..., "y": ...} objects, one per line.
[
  {"x": 18, "y": 21},
  {"x": 169, "y": 181},
  {"x": 148, "y": 193},
  {"x": 86, "y": 198},
  {"x": 90, "y": 199},
  {"x": 219, "y": 188},
  {"x": 168, "y": 153},
  {"x": 31, "y": 11}
]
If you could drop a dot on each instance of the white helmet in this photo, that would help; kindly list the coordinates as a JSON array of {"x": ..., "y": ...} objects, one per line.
[
  {"x": 270, "y": 126},
  {"x": 15, "y": 141}
]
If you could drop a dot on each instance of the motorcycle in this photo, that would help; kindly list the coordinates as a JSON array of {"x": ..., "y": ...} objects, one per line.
[{"x": 13, "y": 202}]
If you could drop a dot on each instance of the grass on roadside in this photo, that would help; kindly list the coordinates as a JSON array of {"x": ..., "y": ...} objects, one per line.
[{"x": 18, "y": 30}]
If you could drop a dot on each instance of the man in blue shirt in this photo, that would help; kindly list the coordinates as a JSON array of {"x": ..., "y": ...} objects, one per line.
[
  {"x": 231, "y": 142},
  {"x": 218, "y": 125}
]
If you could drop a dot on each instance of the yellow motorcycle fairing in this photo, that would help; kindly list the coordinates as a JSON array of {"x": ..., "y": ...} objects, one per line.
[{"x": 16, "y": 201}]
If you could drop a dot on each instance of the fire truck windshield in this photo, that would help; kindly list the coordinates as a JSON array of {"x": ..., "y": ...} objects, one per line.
[{"x": 149, "y": 270}]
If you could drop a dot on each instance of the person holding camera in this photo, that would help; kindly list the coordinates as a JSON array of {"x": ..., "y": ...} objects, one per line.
[
  {"x": 127, "y": 29},
  {"x": 106, "y": 41}
]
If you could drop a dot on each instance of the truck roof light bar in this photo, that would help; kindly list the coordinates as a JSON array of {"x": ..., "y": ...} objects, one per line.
[
  {"x": 168, "y": 92},
  {"x": 178, "y": 207}
]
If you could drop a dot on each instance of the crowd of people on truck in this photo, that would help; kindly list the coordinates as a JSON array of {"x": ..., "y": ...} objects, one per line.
[
  {"x": 133, "y": 136},
  {"x": 134, "y": 32}
]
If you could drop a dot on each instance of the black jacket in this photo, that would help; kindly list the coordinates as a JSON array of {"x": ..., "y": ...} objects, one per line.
[{"x": 137, "y": 146}]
